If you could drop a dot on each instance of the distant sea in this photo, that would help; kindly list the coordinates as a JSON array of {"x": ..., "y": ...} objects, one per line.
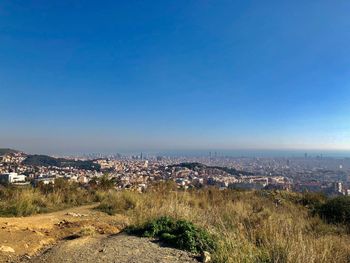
[{"x": 259, "y": 153}]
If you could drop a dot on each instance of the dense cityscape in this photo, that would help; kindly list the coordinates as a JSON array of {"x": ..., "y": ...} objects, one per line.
[{"x": 136, "y": 172}]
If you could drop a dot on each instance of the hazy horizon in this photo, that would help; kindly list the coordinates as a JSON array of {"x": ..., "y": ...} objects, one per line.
[
  {"x": 184, "y": 75},
  {"x": 248, "y": 152}
]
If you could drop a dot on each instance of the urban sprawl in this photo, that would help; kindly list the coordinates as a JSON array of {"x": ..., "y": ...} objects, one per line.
[{"x": 137, "y": 172}]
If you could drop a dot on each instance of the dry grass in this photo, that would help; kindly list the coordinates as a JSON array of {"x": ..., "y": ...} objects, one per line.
[
  {"x": 87, "y": 231},
  {"x": 249, "y": 226},
  {"x": 28, "y": 201}
]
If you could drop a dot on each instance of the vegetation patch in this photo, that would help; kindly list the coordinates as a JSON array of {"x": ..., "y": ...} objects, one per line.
[
  {"x": 45, "y": 198},
  {"x": 87, "y": 231},
  {"x": 180, "y": 234},
  {"x": 312, "y": 201},
  {"x": 44, "y": 160},
  {"x": 118, "y": 202},
  {"x": 336, "y": 210},
  {"x": 245, "y": 226}
]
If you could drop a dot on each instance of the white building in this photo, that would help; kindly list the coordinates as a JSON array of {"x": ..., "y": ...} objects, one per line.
[
  {"x": 10, "y": 178},
  {"x": 44, "y": 180}
]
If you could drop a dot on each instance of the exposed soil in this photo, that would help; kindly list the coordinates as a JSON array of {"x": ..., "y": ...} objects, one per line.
[
  {"x": 119, "y": 248},
  {"x": 26, "y": 236},
  {"x": 66, "y": 236}
]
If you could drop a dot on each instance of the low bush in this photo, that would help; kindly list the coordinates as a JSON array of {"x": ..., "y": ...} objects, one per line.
[
  {"x": 181, "y": 234},
  {"x": 313, "y": 201},
  {"x": 336, "y": 210}
]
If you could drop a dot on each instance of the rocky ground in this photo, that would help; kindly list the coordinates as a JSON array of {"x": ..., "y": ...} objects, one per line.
[
  {"x": 80, "y": 234},
  {"x": 119, "y": 248}
]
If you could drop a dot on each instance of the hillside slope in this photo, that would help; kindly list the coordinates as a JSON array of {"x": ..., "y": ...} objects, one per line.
[
  {"x": 4, "y": 151},
  {"x": 247, "y": 226},
  {"x": 44, "y": 160}
]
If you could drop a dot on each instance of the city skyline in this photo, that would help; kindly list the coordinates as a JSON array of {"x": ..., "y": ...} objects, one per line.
[{"x": 164, "y": 76}]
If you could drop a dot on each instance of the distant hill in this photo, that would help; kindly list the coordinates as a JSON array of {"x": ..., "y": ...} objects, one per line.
[
  {"x": 4, "y": 151},
  {"x": 196, "y": 166},
  {"x": 232, "y": 171},
  {"x": 44, "y": 160}
]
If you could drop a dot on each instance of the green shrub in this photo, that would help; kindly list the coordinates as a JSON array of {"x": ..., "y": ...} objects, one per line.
[
  {"x": 313, "y": 201},
  {"x": 181, "y": 234},
  {"x": 105, "y": 183},
  {"x": 336, "y": 210}
]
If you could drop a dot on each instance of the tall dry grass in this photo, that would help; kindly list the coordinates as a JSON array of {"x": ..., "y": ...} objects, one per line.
[
  {"x": 254, "y": 226},
  {"x": 27, "y": 201},
  {"x": 249, "y": 226}
]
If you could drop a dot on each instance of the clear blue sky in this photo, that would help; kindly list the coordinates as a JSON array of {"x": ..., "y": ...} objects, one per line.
[{"x": 104, "y": 76}]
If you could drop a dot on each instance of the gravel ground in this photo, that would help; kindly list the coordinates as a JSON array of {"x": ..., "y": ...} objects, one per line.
[{"x": 119, "y": 248}]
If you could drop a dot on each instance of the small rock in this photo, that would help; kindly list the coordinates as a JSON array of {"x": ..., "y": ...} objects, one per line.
[
  {"x": 7, "y": 249},
  {"x": 75, "y": 214},
  {"x": 205, "y": 257}
]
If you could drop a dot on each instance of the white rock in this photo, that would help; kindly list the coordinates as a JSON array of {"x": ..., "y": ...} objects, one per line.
[
  {"x": 206, "y": 258},
  {"x": 7, "y": 249}
]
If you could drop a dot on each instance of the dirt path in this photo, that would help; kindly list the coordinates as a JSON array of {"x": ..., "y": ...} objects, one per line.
[
  {"x": 23, "y": 239},
  {"x": 119, "y": 248},
  {"x": 26, "y": 236}
]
